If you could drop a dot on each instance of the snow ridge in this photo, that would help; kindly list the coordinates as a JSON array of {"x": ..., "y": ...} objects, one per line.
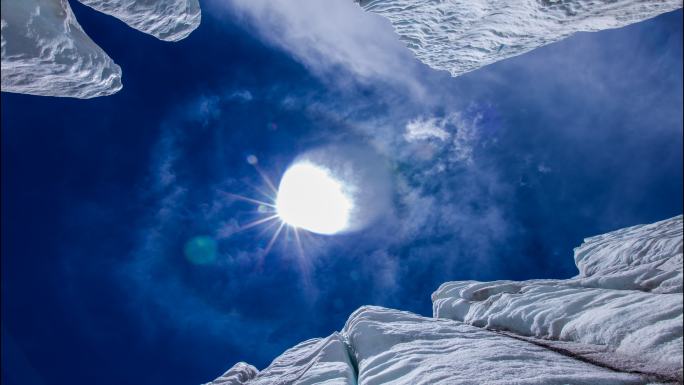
[
  {"x": 462, "y": 36},
  {"x": 169, "y": 20},
  {"x": 46, "y": 52},
  {"x": 533, "y": 332}
]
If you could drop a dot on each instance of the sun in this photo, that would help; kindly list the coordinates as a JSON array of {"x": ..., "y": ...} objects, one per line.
[{"x": 310, "y": 198}]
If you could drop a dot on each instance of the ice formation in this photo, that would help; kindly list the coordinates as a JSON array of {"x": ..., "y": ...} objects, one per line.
[
  {"x": 463, "y": 35},
  {"x": 618, "y": 322},
  {"x": 169, "y": 20},
  {"x": 46, "y": 52}
]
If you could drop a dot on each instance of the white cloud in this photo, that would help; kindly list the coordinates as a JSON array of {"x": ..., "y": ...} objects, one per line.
[
  {"x": 458, "y": 134},
  {"x": 329, "y": 35},
  {"x": 423, "y": 129}
]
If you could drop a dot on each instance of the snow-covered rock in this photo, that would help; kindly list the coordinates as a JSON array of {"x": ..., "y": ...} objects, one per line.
[
  {"x": 463, "y": 35},
  {"x": 239, "y": 374},
  {"x": 643, "y": 257},
  {"x": 45, "y": 52},
  {"x": 170, "y": 20}
]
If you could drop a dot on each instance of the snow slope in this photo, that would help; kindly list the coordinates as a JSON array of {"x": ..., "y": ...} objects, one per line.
[
  {"x": 169, "y": 20},
  {"x": 239, "y": 374},
  {"x": 644, "y": 257},
  {"x": 627, "y": 299},
  {"x": 45, "y": 52},
  {"x": 618, "y": 322},
  {"x": 463, "y": 35}
]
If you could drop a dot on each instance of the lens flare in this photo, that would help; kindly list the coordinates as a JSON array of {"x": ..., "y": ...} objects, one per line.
[{"x": 311, "y": 199}]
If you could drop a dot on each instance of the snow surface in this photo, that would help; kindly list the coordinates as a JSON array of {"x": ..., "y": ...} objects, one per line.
[
  {"x": 531, "y": 332},
  {"x": 401, "y": 348},
  {"x": 626, "y": 300},
  {"x": 45, "y": 52},
  {"x": 169, "y": 20},
  {"x": 239, "y": 374},
  {"x": 462, "y": 36},
  {"x": 323, "y": 361},
  {"x": 644, "y": 257}
]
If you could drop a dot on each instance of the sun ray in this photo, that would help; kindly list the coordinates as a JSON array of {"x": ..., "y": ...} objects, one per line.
[
  {"x": 258, "y": 222},
  {"x": 246, "y": 199},
  {"x": 266, "y": 179},
  {"x": 273, "y": 238}
]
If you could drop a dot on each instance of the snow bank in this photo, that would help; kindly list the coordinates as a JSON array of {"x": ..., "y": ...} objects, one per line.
[
  {"x": 169, "y": 20},
  {"x": 45, "y": 52},
  {"x": 461, "y": 36},
  {"x": 401, "y": 348},
  {"x": 644, "y": 327},
  {"x": 626, "y": 300},
  {"x": 533, "y": 332},
  {"x": 643, "y": 257},
  {"x": 239, "y": 374},
  {"x": 319, "y": 361}
]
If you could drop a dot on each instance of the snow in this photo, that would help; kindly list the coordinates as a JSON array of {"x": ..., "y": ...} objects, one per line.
[
  {"x": 645, "y": 327},
  {"x": 239, "y": 374},
  {"x": 643, "y": 257},
  {"x": 45, "y": 52},
  {"x": 169, "y": 20},
  {"x": 462, "y": 36},
  {"x": 319, "y": 361},
  {"x": 532, "y": 332},
  {"x": 627, "y": 299}
]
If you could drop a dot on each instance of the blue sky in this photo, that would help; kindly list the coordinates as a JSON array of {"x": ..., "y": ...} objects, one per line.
[{"x": 496, "y": 174}]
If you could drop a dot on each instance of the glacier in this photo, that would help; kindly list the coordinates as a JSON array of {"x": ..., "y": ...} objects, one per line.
[
  {"x": 619, "y": 321},
  {"x": 46, "y": 52},
  {"x": 462, "y": 36}
]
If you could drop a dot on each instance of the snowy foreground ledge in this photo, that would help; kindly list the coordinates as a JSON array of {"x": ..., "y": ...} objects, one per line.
[
  {"x": 462, "y": 36},
  {"x": 618, "y": 322},
  {"x": 46, "y": 52}
]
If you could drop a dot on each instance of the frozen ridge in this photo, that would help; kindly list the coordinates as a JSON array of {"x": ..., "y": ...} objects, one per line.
[
  {"x": 169, "y": 20},
  {"x": 46, "y": 52},
  {"x": 540, "y": 332},
  {"x": 463, "y": 35}
]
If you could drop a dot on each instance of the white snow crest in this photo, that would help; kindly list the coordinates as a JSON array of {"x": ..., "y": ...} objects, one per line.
[
  {"x": 45, "y": 52},
  {"x": 462, "y": 36}
]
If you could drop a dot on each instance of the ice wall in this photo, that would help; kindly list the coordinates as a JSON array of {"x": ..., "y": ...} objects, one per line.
[{"x": 463, "y": 35}]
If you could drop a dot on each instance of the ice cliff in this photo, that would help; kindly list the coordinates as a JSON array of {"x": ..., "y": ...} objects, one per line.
[
  {"x": 46, "y": 52},
  {"x": 618, "y": 322},
  {"x": 463, "y": 35}
]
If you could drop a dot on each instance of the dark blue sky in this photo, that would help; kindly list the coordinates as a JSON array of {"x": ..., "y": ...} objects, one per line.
[{"x": 99, "y": 197}]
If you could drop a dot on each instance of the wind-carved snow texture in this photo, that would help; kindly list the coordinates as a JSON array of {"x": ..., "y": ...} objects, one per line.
[
  {"x": 239, "y": 374},
  {"x": 46, "y": 52},
  {"x": 644, "y": 257},
  {"x": 463, "y": 35},
  {"x": 627, "y": 301},
  {"x": 169, "y": 20},
  {"x": 534, "y": 332}
]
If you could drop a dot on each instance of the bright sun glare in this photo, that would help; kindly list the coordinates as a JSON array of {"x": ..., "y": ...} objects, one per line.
[{"x": 311, "y": 199}]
